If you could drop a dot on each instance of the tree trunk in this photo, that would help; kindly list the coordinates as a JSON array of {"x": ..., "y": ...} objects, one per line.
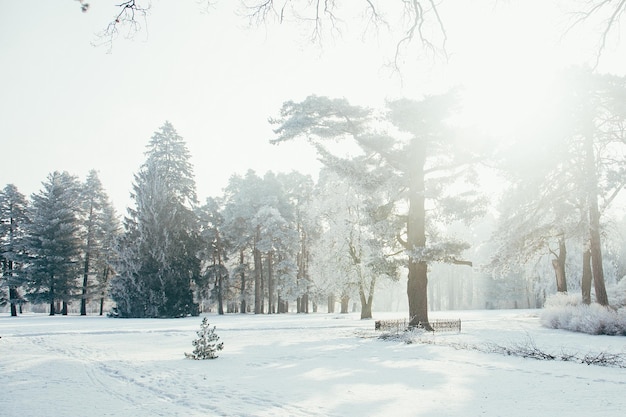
[
  {"x": 597, "y": 269},
  {"x": 220, "y": 292},
  {"x": 220, "y": 278},
  {"x": 559, "y": 267},
  {"x": 585, "y": 284},
  {"x": 13, "y": 293},
  {"x": 366, "y": 309},
  {"x": 101, "y": 305},
  {"x": 345, "y": 304},
  {"x": 417, "y": 283},
  {"x": 83, "y": 299},
  {"x": 595, "y": 243},
  {"x": 52, "y": 310},
  {"x": 331, "y": 303},
  {"x": 302, "y": 277},
  {"x": 366, "y": 302},
  {"x": 243, "y": 283},
  {"x": 64, "y": 309},
  {"x": 270, "y": 284},
  {"x": 304, "y": 303},
  {"x": 13, "y": 297},
  {"x": 417, "y": 288},
  {"x": 257, "y": 276}
]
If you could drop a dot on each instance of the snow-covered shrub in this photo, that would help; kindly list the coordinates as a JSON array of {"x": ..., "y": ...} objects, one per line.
[
  {"x": 617, "y": 294},
  {"x": 568, "y": 312},
  {"x": 206, "y": 345}
]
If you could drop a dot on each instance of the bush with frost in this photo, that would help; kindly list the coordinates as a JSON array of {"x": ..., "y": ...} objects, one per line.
[{"x": 568, "y": 312}]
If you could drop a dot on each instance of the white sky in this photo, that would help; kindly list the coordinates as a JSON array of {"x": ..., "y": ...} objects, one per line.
[{"x": 66, "y": 105}]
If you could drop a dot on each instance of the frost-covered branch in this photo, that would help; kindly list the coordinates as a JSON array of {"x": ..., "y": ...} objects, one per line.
[{"x": 446, "y": 252}]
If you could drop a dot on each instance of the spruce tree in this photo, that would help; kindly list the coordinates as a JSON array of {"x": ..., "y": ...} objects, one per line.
[
  {"x": 13, "y": 221},
  {"x": 206, "y": 345},
  {"x": 99, "y": 223},
  {"x": 159, "y": 261},
  {"x": 104, "y": 265},
  {"x": 54, "y": 241},
  {"x": 413, "y": 151}
]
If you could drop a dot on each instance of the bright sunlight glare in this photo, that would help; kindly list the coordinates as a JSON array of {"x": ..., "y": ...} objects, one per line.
[
  {"x": 505, "y": 100},
  {"x": 506, "y": 69}
]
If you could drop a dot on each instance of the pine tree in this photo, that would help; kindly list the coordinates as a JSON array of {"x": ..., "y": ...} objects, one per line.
[
  {"x": 100, "y": 228},
  {"x": 206, "y": 345},
  {"x": 54, "y": 241},
  {"x": 413, "y": 149},
  {"x": 159, "y": 261},
  {"x": 214, "y": 253},
  {"x": 105, "y": 263},
  {"x": 577, "y": 172},
  {"x": 298, "y": 189},
  {"x": 13, "y": 223}
]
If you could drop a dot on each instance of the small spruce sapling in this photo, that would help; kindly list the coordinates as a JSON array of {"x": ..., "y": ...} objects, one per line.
[{"x": 206, "y": 345}]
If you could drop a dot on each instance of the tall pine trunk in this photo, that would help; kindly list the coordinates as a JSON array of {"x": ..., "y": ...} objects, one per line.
[
  {"x": 220, "y": 278},
  {"x": 585, "y": 284},
  {"x": 270, "y": 284},
  {"x": 302, "y": 303},
  {"x": 52, "y": 309},
  {"x": 417, "y": 283},
  {"x": 13, "y": 296},
  {"x": 105, "y": 279},
  {"x": 83, "y": 299},
  {"x": 595, "y": 243},
  {"x": 257, "y": 275},
  {"x": 243, "y": 283}
]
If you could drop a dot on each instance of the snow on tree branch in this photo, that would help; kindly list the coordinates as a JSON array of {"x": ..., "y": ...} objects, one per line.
[{"x": 445, "y": 252}]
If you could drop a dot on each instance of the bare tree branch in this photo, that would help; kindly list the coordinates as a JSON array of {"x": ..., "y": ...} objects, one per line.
[
  {"x": 126, "y": 20},
  {"x": 615, "y": 8}
]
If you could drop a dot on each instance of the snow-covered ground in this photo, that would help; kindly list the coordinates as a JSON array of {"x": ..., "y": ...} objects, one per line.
[{"x": 300, "y": 365}]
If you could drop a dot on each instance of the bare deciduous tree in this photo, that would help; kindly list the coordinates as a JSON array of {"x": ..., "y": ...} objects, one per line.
[{"x": 420, "y": 21}]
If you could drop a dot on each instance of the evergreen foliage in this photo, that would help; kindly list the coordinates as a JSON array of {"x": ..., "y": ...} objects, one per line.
[
  {"x": 260, "y": 223},
  {"x": 413, "y": 152},
  {"x": 562, "y": 185},
  {"x": 54, "y": 241},
  {"x": 214, "y": 282},
  {"x": 207, "y": 344},
  {"x": 158, "y": 254},
  {"x": 13, "y": 223},
  {"x": 100, "y": 229}
]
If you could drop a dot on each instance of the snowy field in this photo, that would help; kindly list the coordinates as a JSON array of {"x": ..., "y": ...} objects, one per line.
[{"x": 300, "y": 365}]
